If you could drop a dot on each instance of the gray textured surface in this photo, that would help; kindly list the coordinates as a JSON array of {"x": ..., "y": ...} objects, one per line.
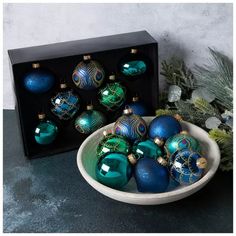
[
  {"x": 184, "y": 30},
  {"x": 50, "y": 195}
]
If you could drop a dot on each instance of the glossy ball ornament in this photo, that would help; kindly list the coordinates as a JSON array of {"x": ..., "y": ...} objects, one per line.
[
  {"x": 46, "y": 131},
  {"x": 88, "y": 74},
  {"x": 113, "y": 170},
  {"x": 181, "y": 141},
  {"x": 113, "y": 95},
  {"x": 150, "y": 176},
  {"x": 138, "y": 107},
  {"x": 38, "y": 80},
  {"x": 65, "y": 103},
  {"x": 163, "y": 127},
  {"x": 113, "y": 143},
  {"x": 187, "y": 167},
  {"x": 131, "y": 126},
  {"x": 89, "y": 121}
]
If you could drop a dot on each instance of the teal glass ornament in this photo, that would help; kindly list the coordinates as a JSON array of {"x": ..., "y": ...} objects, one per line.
[
  {"x": 186, "y": 166},
  {"x": 113, "y": 170},
  {"x": 134, "y": 64},
  {"x": 46, "y": 131},
  {"x": 113, "y": 143},
  {"x": 131, "y": 126},
  {"x": 89, "y": 121},
  {"x": 88, "y": 74},
  {"x": 181, "y": 141},
  {"x": 113, "y": 95}
]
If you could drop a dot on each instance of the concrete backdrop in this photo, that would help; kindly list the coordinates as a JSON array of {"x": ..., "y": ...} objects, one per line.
[{"x": 184, "y": 30}]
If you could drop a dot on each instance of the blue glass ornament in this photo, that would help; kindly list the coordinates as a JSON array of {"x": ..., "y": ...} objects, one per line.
[
  {"x": 163, "y": 127},
  {"x": 113, "y": 170},
  {"x": 131, "y": 126},
  {"x": 65, "y": 103},
  {"x": 150, "y": 176},
  {"x": 38, "y": 80},
  {"x": 46, "y": 131},
  {"x": 138, "y": 107},
  {"x": 89, "y": 121},
  {"x": 186, "y": 166},
  {"x": 88, "y": 74}
]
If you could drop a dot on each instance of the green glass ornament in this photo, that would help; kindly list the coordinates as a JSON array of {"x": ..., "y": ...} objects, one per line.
[
  {"x": 113, "y": 170},
  {"x": 113, "y": 95},
  {"x": 113, "y": 143},
  {"x": 181, "y": 141},
  {"x": 46, "y": 131},
  {"x": 89, "y": 121}
]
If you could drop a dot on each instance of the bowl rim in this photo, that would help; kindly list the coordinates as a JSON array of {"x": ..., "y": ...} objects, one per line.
[{"x": 173, "y": 193}]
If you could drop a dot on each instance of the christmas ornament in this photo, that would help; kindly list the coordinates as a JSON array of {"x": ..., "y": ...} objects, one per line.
[
  {"x": 150, "y": 176},
  {"x": 113, "y": 170},
  {"x": 138, "y": 107},
  {"x": 112, "y": 143},
  {"x": 212, "y": 123},
  {"x": 38, "y": 80},
  {"x": 88, "y": 74},
  {"x": 187, "y": 167},
  {"x": 133, "y": 64},
  {"x": 181, "y": 141},
  {"x": 145, "y": 148},
  {"x": 174, "y": 93},
  {"x": 46, "y": 131},
  {"x": 131, "y": 126},
  {"x": 89, "y": 120},
  {"x": 163, "y": 127},
  {"x": 65, "y": 103},
  {"x": 203, "y": 93},
  {"x": 112, "y": 96},
  {"x": 172, "y": 184}
]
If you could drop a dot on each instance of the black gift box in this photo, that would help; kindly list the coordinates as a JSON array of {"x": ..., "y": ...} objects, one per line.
[{"x": 61, "y": 59}]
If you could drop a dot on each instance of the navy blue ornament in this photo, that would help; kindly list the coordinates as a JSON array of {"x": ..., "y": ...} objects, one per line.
[
  {"x": 88, "y": 74},
  {"x": 131, "y": 126},
  {"x": 186, "y": 166},
  {"x": 138, "y": 107},
  {"x": 150, "y": 176},
  {"x": 38, "y": 80},
  {"x": 163, "y": 127}
]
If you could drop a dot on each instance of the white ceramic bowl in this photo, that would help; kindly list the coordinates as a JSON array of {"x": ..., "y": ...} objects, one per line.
[{"x": 86, "y": 161}]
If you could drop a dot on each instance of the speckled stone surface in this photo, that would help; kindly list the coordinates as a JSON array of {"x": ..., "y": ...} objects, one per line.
[{"x": 50, "y": 195}]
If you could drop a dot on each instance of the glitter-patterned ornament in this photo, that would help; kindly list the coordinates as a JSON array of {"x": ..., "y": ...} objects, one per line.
[
  {"x": 39, "y": 80},
  {"x": 46, "y": 131},
  {"x": 187, "y": 167},
  {"x": 65, "y": 103},
  {"x": 138, "y": 107},
  {"x": 88, "y": 74},
  {"x": 181, "y": 141},
  {"x": 131, "y": 126},
  {"x": 113, "y": 95},
  {"x": 89, "y": 121},
  {"x": 113, "y": 143}
]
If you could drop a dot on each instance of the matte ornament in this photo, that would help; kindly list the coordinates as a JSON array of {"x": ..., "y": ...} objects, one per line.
[
  {"x": 150, "y": 176},
  {"x": 186, "y": 167},
  {"x": 133, "y": 68},
  {"x": 163, "y": 127},
  {"x": 181, "y": 141},
  {"x": 113, "y": 170},
  {"x": 113, "y": 143},
  {"x": 203, "y": 93},
  {"x": 131, "y": 126},
  {"x": 174, "y": 93},
  {"x": 45, "y": 132},
  {"x": 138, "y": 107},
  {"x": 88, "y": 75},
  {"x": 89, "y": 121},
  {"x": 65, "y": 105},
  {"x": 112, "y": 96},
  {"x": 212, "y": 123},
  {"x": 38, "y": 80}
]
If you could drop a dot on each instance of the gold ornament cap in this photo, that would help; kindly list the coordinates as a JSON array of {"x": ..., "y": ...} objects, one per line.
[
  {"x": 162, "y": 161},
  {"x": 201, "y": 163},
  {"x": 107, "y": 132},
  {"x": 158, "y": 141},
  {"x": 132, "y": 159},
  {"x": 112, "y": 77},
  {"x": 133, "y": 50},
  {"x": 127, "y": 111},
  {"x": 41, "y": 116},
  {"x": 86, "y": 57},
  {"x": 89, "y": 107},
  {"x": 63, "y": 85},
  {"x": 35, "y": 65},
  {"x": 178, "y": 117},
  {"x": 184, "y": 132},
  {"x": 135, "y": 99}
]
